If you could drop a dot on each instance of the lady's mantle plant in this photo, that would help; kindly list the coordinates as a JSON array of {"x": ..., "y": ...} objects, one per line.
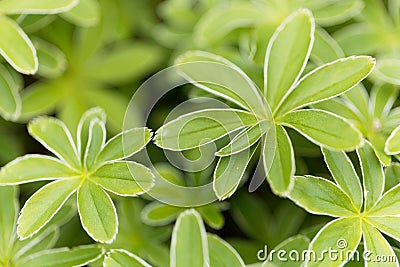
[
  {"x": 361, "y": 211},
  {"x": 87, "y": 165},
  {"x": 263, "y": 114}
]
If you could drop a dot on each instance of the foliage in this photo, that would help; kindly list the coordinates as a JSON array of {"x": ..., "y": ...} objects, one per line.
[{"x": 263, "y": 89}]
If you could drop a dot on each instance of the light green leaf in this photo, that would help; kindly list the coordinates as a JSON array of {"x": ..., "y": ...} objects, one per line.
[
  {"x": 52, "y": 61},
  {"x": 220, "y": 77},
  {"x": 224, "y": 18},
  {"x": 124, "y": 145},
  {"x": 373, "y": 176},
  {"x": 324, "y": 128},
  {"x": 358, "y": 98},
  {"x": 280, "y": 172},
  {"x": 336, "y": 12},
  {"x": 30, "y": 168},
  {"x": 245, "y": 139},
  {"x": 36, "y": 7},
  {"x": 16, "y": 47},
  {"x": 378, "y": 141},
  {"x": 377, "y": 245},
  {"x": 42, "y": 241},
  {"x": 229, "y": 172},
  {"x": 392, "y": 144},
  {"x": 85, "y": 14},
  {"x": 117, "y": 178},
  {"x": 10, "y": 100},
  {"x": 325, "y": 48},
  {"x": 39, "y": 98},
  {"x": 201, "y": 127},
  {"x": 123, "y": 258},
  {"x": 388, "y": 70},
  {"x": 350, "y": 38},
  {"x": 345, "y": 175},
  {"x": 189, "y": 246},
  {"x": 125, "y": 62},
  {"x": 83, "y": 128},
  {"x": 388, "y": 204},
  {"x": 342, "y": 235},
  {"x": 96, "y": 141},
  {"x": 54, "y": 135},
  {"x": 212, "y": 215},
  {"x": 390, "y": 225},
  {"x": 392, "y": 175},
  {"x": 297, "y": 243},
  {"x": 43, "y": 205},
  {"x": 9, "y": 208},
  {"x": 327, "y": 81},
  {"x": 287, "y": 55},
  {"x": 382, "y": 97},
  {"x": 340, "y": 107},
  {"x": 97, "y": 213},
  {"x": 64, "y": 257},
  {"x": 222, "y": 254},
  {"x": 156, "y": 214},
  {"x": 320, "y": 196}
]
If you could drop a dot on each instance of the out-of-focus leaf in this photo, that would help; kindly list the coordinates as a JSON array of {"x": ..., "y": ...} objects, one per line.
[
  {"x": 85, "y": 14},
  {"x": 36, "y": 7},
  {"x": 52, "y": 61}
]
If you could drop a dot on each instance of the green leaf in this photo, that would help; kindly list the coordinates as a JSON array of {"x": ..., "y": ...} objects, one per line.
[
  {"x": 280, "y": 172},
  {"x": 124, "y": 178},
  {"x": 36, "y": 7},
  {"x": 43, "y": 205},
  {"x": 350, "y": 38},
  {"x": 345, "y": 175},
  {"x": 30, "y": 168},
  {"x": 372, "y": 173},
  {"x": 189, "y": 245},
  {"x": 16, "y": 47},
  {"x": 392, "y": 175},
  {"x": 85, "y": 14},
  {"x": 340, "y": 107},
  {"x": 392, "y": 144},
  {"x": 157, "y": 214},
  {"x": 40, "y": 242},
  {"x": 222, "y": 254},
  {"x": 327, "y": 81},
  {"x": 229, "y": 172},
  {"x": 201, "y": 127},
  {"x": 124, "y": 145},
  {"x": 377, "y": 245},
  {"x": 287, "y": 55},
  {"x": 54, "y": 135},
  {"x": 382, "y": 97},
  {"x": 325, "y": 48},
  {"x": 224, "y": 18},
  {"x": 122, "y": 258},
  {"x": 96, "y": 141},
  {"x": 97, "y": 213},
  {"x": 388, "y": 204},
  {"x": 220, "y": 77},
  {"x": 342, "y": 235},
  {"x": 52, "y": 61},
  {"x": 324, "y": 128},
  {"x": 64, "y": 257},
  {"x": 125, "y": 62},
  {"x": 388, "y": 70},
  {"x": 10, "y": 101},
  {"x": 336, "y": 12},
  {"x": 297, "y": 243},
  {"x": 39, "y": 98},
  {"x": 245, "y": 139},
  {"x": 390, "y": 225},
  {"x": 9, "y": 208},
  {"x": 378, "y": 141},
  {"x": 83, "y": 128},
  {"x": 358, "y": 98},
  {"x": 212, "y": 215},
  {"x": 320, "y": 196}
]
